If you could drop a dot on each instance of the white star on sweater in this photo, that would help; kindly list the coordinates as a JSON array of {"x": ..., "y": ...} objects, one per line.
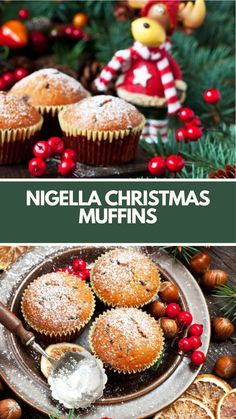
[{"x": 141, "y": 76}]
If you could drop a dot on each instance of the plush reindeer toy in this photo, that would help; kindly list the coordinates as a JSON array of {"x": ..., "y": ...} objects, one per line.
[{"x": 149, "y": 77}]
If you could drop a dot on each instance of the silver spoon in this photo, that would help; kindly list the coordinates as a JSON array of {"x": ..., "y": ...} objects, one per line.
[{"x": 65, "y": 366}]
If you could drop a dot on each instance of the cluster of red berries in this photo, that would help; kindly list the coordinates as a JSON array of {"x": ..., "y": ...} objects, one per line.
[
  {"x": 78, "y": 268},
  {"x": 69, "y": 32},
  {"x": 193, "y": 341},
  {"x": 158, "y": 165},
  {"x": 192, "y": 130},
  {"x": 11, "y": 77},
  {"x": 45, "y": 149}
]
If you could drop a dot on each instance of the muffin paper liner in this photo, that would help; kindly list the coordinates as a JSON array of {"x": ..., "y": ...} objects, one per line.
[
  {"x": 92, "y": 328},
  {"x": 56, "y": 337},
  {"x": 101, "y": 298},
  {"x": 16, "y": 144}
]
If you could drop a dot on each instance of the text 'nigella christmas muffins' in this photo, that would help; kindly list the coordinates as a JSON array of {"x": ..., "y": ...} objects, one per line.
[
  {"x": 127, "y": 340},
  {"x": 125, "y": 278},
  {"x": 20, "y": 125},
  {"x": 49, "y": 90},
  {"x": 57, "y": 306},
  {"x": 104, "y": 130}
]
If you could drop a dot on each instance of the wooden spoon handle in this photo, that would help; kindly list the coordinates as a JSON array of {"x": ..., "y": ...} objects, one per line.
[{"x": 14, "y": 325}]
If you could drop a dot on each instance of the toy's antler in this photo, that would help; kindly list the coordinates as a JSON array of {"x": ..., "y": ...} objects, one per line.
[{"x": 191, "y": 15}]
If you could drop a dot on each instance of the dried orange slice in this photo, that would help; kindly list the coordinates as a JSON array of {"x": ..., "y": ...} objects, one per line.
[
  {"x": 208, "y": 389},
  {"x": 8, "y": 254},
  {"x": 185, "y": 408},
  {"x": 226, "y": 408},
  {"x": 57, "y": 351}
]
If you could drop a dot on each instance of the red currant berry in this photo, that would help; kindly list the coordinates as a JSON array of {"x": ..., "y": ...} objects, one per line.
[
  {"x": 42, "y": 149},
  {"x": 195, "y": 121},
  {"x": 184, "y": 345},
  {"x": 68, "y": 30},
  {"x": 21, "y": 73},
  {"x": 56, "y": 145},
  {"x": 198, "y": 358},
  {"x": 185, "y": 318},
  {"x": 181, "y": 135},
  {"x": 84, "y": 275},
  {"x": 37, "y": 167},
  {"x": 23, "y": 13},
  {"x": 212, "y": 96},
  {"x": 79, "y": 265},
  {"x": 66, "y": 269},
  {"x": 172, "y": 310},
  {"x": 9, "y": 78},
  {"x": 175, "y": 163},
  {"x": 66, "y": 167},
  {"x": 195, "y": 342},
  {"x": 69, "y": 153},
  {"x": 186, "y": 114},
  {"x": 3, "y": 85},
  {"x": 157, "y": 166},
  {"x": 194, "y": 133},
  {"x": 196, "y": 329},
  {"x": 77, "y": 33}
]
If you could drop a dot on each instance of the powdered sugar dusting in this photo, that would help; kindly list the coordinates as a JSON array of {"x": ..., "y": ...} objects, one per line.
[
  {"x": 103, "y": 112},
  {"x": 16, "y": 113}
]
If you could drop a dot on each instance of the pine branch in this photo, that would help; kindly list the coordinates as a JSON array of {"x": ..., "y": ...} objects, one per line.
[
  {"x": 226, "y": 296},
  {"x": 183, "y": 253}
]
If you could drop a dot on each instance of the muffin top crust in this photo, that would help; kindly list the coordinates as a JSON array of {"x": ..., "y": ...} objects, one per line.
[
  {"x": 126, "y": 339},
  {"x": 57, "y": 302},
  {"x": 102, "y": 113},
  {"x": 16, "y": 113},
  {"x": 49, "y": 87},
  {"x": 125, "y": 278}
]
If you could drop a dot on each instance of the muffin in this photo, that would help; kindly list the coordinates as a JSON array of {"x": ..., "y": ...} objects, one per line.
[
  {"x": 104, "y": 130},
  {"x": 57, "y": 306},
  {"x": 49, "y": 90},
  {"x": 20, "y": 125},
  {"x": 125, "y": 278},
  {"x": 126, "y": 340}
]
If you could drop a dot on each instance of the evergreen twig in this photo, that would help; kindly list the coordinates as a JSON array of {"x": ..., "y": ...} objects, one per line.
[{"x": 226, "y": 296}]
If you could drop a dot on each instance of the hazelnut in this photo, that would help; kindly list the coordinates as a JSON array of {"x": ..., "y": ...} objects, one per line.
[
  {"x": 169, "y": 292},
  {"x": 214, "y": 277},
  {"x": 225, "y": 367},
  {"x": 157, "y": 309},
  {"x": 10, "y": 409},
  {"x": 169, "y": 327},
  {"x": 200, "y": 262},
  {"x": 222, "y": 328}
]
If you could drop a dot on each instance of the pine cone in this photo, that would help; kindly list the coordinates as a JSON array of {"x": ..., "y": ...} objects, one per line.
[
  {"x": 123, "y": 11},
  {"x": 39, "y": 24},
  {"x": 88, "y": 74},
  {"x": 229, "y": 172}
]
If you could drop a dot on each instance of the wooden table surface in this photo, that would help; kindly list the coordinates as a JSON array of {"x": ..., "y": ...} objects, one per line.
[{"x": 222, "y": 258}]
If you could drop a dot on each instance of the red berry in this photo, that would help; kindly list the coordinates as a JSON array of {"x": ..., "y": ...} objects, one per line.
[
  {"x": 68, "y": 30},
  {"x": 79, "y": 265},
  {"x": 56, "y": 145},
  {"x": 77, "y": 33},
  {"x": 157, "y": 166},
  {"x": 66, "y": 167},
  {"x": 39, "y": 41},
  {"x": 9, "y": 78},
  {"x": 196, "y": 329},
  {"x": 184, "y": 345},
  {"x": 198, "y": 358},
  {"x": 66, "y": 269},
  {"x": 195, "y": 121},
  {"x": 3, "y": 85},
  {"x": 181, "y": 135},
  {"x": 69, "y": 153},
  {"x": 186, "y": 114},
  {"x": 175, "y": 163},
  {"x": 105, "y": 417},
  {"x": 195, "y": 342},
  {"x": 194, "y": 133},
  {"x": 23, "y": 13},
  {"x": 172, "y": 310},
  {"x": 37, "y": 167},
  {"x": 185, "y": 318},
  {"x": 42, "y": 149},
  {"x": 212, "y": 96},
  {"x": 83, "y": 275},
  {"x": 21, "y": 73}
]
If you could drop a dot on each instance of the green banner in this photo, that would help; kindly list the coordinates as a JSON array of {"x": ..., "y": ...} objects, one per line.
[{"x": 118, "y": 211}]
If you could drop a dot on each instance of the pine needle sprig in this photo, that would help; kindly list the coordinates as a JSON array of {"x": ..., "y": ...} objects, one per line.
[
  {"x": 183, "y": 253},
  {"x": 226, "y": 296},
  {"x": 70, "y": 415}
]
